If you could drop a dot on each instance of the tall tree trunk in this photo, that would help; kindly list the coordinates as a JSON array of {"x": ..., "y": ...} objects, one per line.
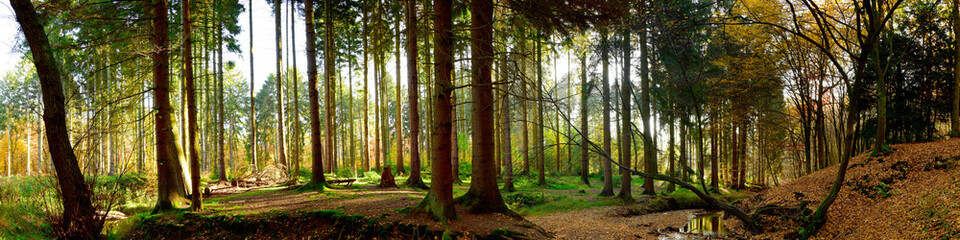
[
  {"x": 483, "y": 195},
  {"x": 673, "y": 149},
  {"x": 649, "y": 149},
  {"x": 507, "y": 155},
  {"x": 330, "y": 83},
  {"x": 366, "y": 117},
  {"x": 714, "y": 148},
  {"x": 398, "y": 121},
  {"x": 584, "y": 116},
  {"x": 439, "y": 201},
  {"x": 297, "y": 136},
  {"x": 955, "y": 109},
  {"x": 222, "y": 172},
  {"x": 541, "y": 148},
  {"x": 607, "y": 168},
  {"x": 317, "y": 180},
  {"x": 195, "y": 196},
  {"x": 253, "y": 102},
  {"x": 172, "y": 181},
  {"x": 413, "y": 96},
  {"x": 626, "y": 123},
  {"x": 79, "y": 219},
  {"x": 525, "y": 139},
  {"x": 735, "y": 163},
  {"x": 281, "y": 148}
]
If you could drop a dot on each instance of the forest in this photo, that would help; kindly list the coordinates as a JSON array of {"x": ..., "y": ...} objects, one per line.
[{"x": 480, "y": 119}]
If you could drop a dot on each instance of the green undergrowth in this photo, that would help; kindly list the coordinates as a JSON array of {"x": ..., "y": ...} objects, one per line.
[{"x": 29, "y": 203}]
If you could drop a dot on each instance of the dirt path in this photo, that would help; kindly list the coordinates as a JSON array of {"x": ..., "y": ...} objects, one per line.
[{"x": 601, "y": 223}]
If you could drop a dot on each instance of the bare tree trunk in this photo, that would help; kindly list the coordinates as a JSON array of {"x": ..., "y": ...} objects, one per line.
[
  {"x": 253, "y": 103},
  {"x": 195, "y": 195},
  {"x": 281, "y": 148},
  {"x": 584, "y": 96},
  {"x": 413, "y": 97},
  {"x": 483, "y": 195},
  {"x": 366, "y": 117},
  {"x": 330, "y": 84},
  {"x": 317, "y": 180},
  {"x": 79, "y": 218},
  {"x": 398, "y": 121},
  {"x": 626, "y": 194},
  {"x": 955, "y": 109},
  {"x": 439, "y": 201},
  {"x": 607, "y": 168}
]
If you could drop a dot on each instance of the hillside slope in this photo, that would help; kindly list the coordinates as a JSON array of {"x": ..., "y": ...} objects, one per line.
[{"x": 911, "y": 193}]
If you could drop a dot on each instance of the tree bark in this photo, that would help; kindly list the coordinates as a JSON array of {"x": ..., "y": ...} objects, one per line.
[
  {"x": 626, "y": 124},
  {"x": 439, "y": 201},
  {"x": 584, "y": 96},
  {"x": 955, "y": 108},
  {"x": 483, "y": 195},
  {"x": 649, "y": 148},
  {"x": 413, "y": 96},
  {"x": 172, "y": 181},
  {"x": 195, "y": 197},
  {"x": 253, "y": 102},
  {"x": 607, "y": 168},
  {"x": 281, "y": 148},
  {"x": 317, "y": 180},
  {"x": 329, "y": 69},
  {"x": 80, "y": 220}
]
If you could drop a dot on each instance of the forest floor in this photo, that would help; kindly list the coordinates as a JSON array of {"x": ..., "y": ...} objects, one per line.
[
  {"x": 564, "y": 209},
  {"x": 912, "y": 192}
]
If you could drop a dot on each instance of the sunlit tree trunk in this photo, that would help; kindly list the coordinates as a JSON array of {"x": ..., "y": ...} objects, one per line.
[
  {"x": 79, "y": 220},
  {"x": 649, "y": 148},
  {"x": 281, "y": 148},
  {"x": 172, "y": 181},
  {"x": 253, "y": 103},
  {"x": 317, "y": 180},
  {"x": 366, "y": 117},
  {"x": 329, "y": 85},
  {"x": 190, "y": 82},
  {"x": 607, "y": 168}
]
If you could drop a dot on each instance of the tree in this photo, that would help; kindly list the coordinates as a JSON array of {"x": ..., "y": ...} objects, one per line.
[
  {"x": 329, "y": 84},
  {"x": 195, "y": 196},
  {"x": 626, "y": 124},
  {"x": 317, "y": 180},
  {"x": 955, "y": 110},
  {"x": 253, "y": 104},
  {"x": 172, "y": 181},
  {"x": 483, "y": 195},
  {"x": 607, "y": 169},
  {"x": 413, "y": 96},
  {"x": 649, "y": 148},
  {"x": 281, "y": 151},
  {"x": 79, "y": 219},
  {"x": 439, "y": 200},
  {"x": 584, "y": 96}
]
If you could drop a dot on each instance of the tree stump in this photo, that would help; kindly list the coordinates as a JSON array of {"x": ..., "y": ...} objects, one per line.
[{"x": 386, "y": 179}]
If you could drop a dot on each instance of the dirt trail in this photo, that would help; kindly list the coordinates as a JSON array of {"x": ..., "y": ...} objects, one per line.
[{"x": 602, "y": 223}]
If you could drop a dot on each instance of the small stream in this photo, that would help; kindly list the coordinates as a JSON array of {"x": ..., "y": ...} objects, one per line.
[{"x": 701, "y": 225}]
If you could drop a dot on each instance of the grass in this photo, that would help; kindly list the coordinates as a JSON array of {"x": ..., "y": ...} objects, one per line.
[{"x": 27, "y": 203}]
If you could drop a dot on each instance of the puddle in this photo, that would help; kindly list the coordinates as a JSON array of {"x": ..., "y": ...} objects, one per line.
[{"x": 708, "y": 223}]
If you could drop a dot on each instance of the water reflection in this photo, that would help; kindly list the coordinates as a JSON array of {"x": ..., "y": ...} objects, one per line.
[{"x": 709, "y": 223}]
